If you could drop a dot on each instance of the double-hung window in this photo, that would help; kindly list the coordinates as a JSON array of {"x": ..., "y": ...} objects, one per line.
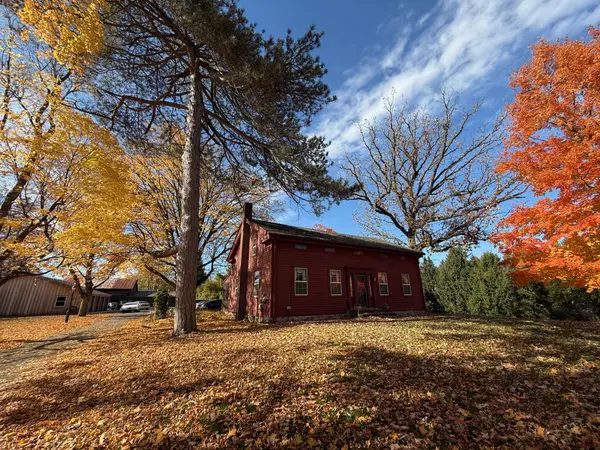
[
  {"x": 406, "y": 288},
  {"x": 60, "y": 302},
  {"x": 256, "y": 283},
  {"x": 300, "y": 281},
  {"x": 382, "y": 279},
  {"x": 335, "y": 282}
]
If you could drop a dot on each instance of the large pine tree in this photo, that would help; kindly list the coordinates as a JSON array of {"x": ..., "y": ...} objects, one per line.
[
  {"x": 428, "y": 278},
  {"x": 453, "y": 281},
  {"x": 492, "y": 291},
  {"x": 202, "y": 65}
]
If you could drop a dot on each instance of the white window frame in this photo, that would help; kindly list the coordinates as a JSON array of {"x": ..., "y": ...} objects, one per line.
[
  {"x": 331, "y": 283},
  {"x": 386, "y": 284},
  {"x": 256, "y": 283},
  {"x": 295, "y": 282},
  {"x": 63, "y": 305},
  {"x": 406, "y": 284},
  {"x": 254, "y": 245}
]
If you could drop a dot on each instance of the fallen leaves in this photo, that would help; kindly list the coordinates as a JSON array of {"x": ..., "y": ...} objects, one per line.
[
  {"x": 16, "y": 331},
  {"x": 349, "y": 384}
]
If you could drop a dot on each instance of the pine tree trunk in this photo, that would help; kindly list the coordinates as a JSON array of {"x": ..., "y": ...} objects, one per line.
[{"x": 187, "y": 254}]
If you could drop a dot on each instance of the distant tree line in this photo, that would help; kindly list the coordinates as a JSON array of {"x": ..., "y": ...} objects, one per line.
[{"x": 484, "y": 286}]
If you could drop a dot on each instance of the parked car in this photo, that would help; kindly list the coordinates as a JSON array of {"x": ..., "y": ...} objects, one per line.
[
  {"x": 200, "y": 303},
  {"x": 214, "y": 305},
  {"x": 114, "y": 306},
  {"x": 135, "y": 307}
]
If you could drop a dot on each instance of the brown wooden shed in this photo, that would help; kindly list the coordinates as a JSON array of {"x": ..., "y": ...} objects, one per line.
[{"x": 40, "y": 296}]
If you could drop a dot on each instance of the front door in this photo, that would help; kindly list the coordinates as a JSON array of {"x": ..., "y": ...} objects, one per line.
[{"x": 362, "y": 292}]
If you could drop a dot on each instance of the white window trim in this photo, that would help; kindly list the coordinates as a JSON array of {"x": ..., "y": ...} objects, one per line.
[
  {"x": 331, "y": 283},
  {"x": 57, "y": 297},
  {"x": 254, "y": 246},
  {"x": 255, "y": 284},
  {"x": 403, "y": 284},
  {"x": 383, "y": 284},
  {"x": 295, "y": 293}
]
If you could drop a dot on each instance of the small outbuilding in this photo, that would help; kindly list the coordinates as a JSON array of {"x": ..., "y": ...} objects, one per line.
[
  {"x": 39, "y": 296},
  {"x": 280, "y": 271},
  {"x": 122, "y": 289}
]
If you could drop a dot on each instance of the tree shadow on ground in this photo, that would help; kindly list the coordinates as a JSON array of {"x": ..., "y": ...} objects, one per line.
[
  {"x": 524, "y": 339},
  {"x": 362, "y": 396}
]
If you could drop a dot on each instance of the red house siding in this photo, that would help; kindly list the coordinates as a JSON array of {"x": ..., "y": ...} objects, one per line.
[
  {"x": 259, "y": 306},
  {"x": 276, "y": 256},
  {"x": 319, "y": 300}
]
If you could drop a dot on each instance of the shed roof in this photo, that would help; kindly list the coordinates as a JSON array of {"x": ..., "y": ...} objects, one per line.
[
  {"x": 119, "y": 283},
  {"x": 70, "y": 284},
  {"x": 334, "y": 238},
  {"x": 100, "y": 294}
]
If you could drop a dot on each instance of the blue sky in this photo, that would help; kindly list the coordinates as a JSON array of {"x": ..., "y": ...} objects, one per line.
[{"x": 412, "y": 49}]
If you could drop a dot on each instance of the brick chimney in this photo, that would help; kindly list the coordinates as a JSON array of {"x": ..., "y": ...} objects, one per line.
[
  {"x": 248, "y": 211},
  {"x": 244, "y": 261}
]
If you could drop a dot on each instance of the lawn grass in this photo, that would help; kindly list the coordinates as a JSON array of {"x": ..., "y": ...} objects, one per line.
[
  {"x": 403, "y": 383},
  {"x": 15, "y": 331}
]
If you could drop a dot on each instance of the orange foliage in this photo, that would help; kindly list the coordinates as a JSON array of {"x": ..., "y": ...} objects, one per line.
[
  {"x": 554, "y": 140},
  {"x": 321, "y": 227}
]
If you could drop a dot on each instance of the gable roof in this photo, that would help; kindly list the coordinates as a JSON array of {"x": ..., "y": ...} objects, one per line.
[
  {"x": 334, "y": 238},
  {"x": 118, "y": 283},
  {"x": 68, "y": 283}
]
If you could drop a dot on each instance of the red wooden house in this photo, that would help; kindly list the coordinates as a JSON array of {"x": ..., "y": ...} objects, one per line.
[{"x": 280, "y": 271}]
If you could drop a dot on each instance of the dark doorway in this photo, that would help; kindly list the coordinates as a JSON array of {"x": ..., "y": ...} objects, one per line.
[{"x": 362, "y": 291}]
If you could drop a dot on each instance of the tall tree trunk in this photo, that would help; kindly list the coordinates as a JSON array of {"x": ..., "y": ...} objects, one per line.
[
  {"x": 86, "y": 291},
  {"x": 412, "y": 241},
  {"x": 85, "y": 302},
  {"x": 187, "y": 254},
  {"x": 17, "y": 188}
]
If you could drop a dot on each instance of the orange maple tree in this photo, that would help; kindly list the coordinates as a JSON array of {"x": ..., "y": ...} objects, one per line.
[
  {"x": 553, "y": 147},
  {"x": 321, "y": 227}
]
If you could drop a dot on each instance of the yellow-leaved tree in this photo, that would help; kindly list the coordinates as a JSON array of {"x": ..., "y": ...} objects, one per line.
[
  {"x": 73, "y": 31},
  {"x": 63, "y": 181},
  {"x": 35, "y": 174},
  {"x": 91, "y": 232}
]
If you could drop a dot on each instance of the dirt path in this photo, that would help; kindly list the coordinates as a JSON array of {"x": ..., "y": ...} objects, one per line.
[{"x": 16, "y": 361}]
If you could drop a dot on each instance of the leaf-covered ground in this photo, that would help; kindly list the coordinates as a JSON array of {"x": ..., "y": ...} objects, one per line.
[
  {"x": 403, "y": 383},
  {"x": 15, "y": 331}
]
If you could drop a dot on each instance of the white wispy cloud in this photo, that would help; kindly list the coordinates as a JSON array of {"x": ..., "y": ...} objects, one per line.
[{"x": 462, "y": 44}]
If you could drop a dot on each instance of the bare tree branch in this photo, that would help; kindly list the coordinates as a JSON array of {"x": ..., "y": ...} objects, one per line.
[{"x": 430, "y": 178}]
